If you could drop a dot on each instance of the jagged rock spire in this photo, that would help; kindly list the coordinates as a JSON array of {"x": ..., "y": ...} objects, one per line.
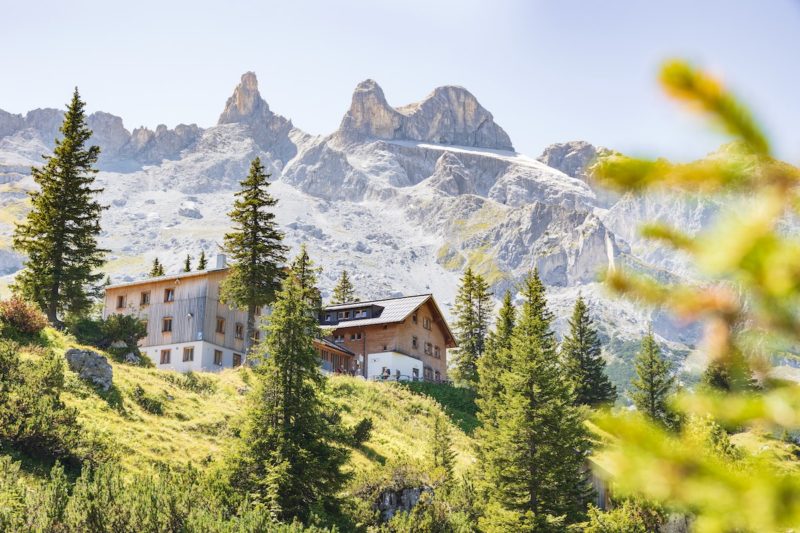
[{"x": 449, "y": 115}]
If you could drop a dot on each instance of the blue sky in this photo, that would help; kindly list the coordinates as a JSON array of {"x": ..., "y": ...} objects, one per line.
[{"x": 548, "y": 71}]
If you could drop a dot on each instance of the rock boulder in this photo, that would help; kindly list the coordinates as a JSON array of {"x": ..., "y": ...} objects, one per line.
[{"x": 90, "y": 366}]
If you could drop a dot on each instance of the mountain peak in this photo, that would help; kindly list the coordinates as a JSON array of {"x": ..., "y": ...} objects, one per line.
[
  {"x": 448, "y": 115},
  {"x": 245, "y": 102}
]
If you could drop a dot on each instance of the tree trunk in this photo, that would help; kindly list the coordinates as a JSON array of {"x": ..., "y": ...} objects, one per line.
[{"x": 251, "y": 328}]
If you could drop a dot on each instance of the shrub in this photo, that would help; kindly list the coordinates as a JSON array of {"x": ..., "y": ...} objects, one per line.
[
  {"x": 149, "y": 403},
  {"x": 32, "y": 415},
  {"x": 362, "y": 431},
  {"x": 21, "y": 316},
  {"x": 191, "y": 381},
  {"x": 118, "y": 334}
]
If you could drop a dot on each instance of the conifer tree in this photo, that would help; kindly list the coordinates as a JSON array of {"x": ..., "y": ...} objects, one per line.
[
  {"x": 59, "y": 235},
  {"x": 473, "y": 307},
  {"x": 157, "y": 269},
  {"x": 285, "y": 459},
  {"x": 344, "y": 291},
  {"x": 583, "y": 363},
  {"x": 307, "y": 274},
  {"x": 653, "y": 383},
  {"x": 496, "y": 361},
  {"x": 256, "y": 247},
  {"x": 187, "y": 263},
  {"x": 541, "y": 441},
  {"x": 201, "y": 262},
  {"x": 443, "y": 455}
]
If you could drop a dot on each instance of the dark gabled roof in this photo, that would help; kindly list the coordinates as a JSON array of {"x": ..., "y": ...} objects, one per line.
[{"x": 392, "y": 310}]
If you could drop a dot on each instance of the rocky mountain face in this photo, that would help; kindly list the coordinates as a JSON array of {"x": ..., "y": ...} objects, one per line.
[{"x": 402, "y": 197}]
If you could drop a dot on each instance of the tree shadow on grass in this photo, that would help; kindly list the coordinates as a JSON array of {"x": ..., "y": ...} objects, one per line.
[
  {"x": 113, "y": 397},
  {"x": 372, "y": 454}
]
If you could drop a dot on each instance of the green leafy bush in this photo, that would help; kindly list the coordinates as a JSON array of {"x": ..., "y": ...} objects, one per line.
[
  {"x": 191, "y": 381},
  {"x": 22, "y": 317},
  {"x": 118, "y": 334},
  {"x": 33, "y": 417}
]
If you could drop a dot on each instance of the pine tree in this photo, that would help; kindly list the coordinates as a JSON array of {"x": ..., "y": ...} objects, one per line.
[
  {"x": 307, "y": 274},
  {"x": 653, "y": 383},
  {"x": 201, "y": 262},
  {"x": 444, "y": 457},
  {"x": 473, "y": 308},
  {"x": 496, "y": 361},
  {"x": 541, "y": 441},
  {"x": 256, "y": 247},
  {"x": 285, "y": 459},
  {"x": 157, "y": 269},
  {"x": 344, "y": 292},
  {"x": 583, "y": 363},
  {"x": 187, "y": 263},
  {"x": 59, "y": 235}
]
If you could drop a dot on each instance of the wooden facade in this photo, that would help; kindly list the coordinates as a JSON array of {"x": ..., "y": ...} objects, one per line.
[
  {"x": 180, "y": 309},
  {"x": 423, "y": 334}
]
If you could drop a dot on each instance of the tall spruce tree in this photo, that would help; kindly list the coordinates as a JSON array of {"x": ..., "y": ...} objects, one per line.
[
  {"x": 494, "y": 363},
  {"x": 256, "y": 247},
  {"x": 286, "y": 459},
  {"x": 344, "y": 291},
  {"x": 653, "y": 383},
  {"x": 307, "y": 274},
  {"x": 157, "y": 269},
  {"x": 202, "y": 263},
  {"x": 541, "y": 441},
  {"x": 444, "y": 457},
  {"x": 59, "y": 234},
  {"x": 187, "y": 263},
  {"x": 473, "y": 309},
  {"x": 582, "y": 360}
]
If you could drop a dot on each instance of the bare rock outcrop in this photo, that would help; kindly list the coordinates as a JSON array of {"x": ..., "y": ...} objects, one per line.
[
  {"x": 449, "y": 115},
  {"x": 270, "y": 131},
  {"x": 90, "y": 366}
]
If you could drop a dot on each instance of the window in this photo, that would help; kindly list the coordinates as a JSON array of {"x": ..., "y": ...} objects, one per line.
[
  {"x": 218, "y": 357},
  {"x": 355, "y": 336},
  {"x": 428, "y": 373},
  {"x": 338, "y": 338},
  {"x": 329, "y": 317},
  {"x": 188, "y": 354},
  {"x": 144, "y": 298},
  {"x": 165, "y": 357},
  {"x": 257, "y": 336},
  {"x": 237, "y": 360},
  {"x": 360, "y": 313},
  {"x": 166, "y": 325},
  {"x": 414, "y": 343},
  {"x": 220, "y": 325},
  {"x": 169, "y": 295},
  {"x": 415, "y": 374},
  {"x": 428, "y": 348},
  {"x": 239, "y": 330},
  {"x": 426, "y": 322},
  {"x": 437, "y": 352},
  {"x": 437, "y": 376},
  {"x": 120, "y": 302},
  {"x": 258, "y": 310},
  {"x": 414, "y": 318},
  {"x": 384, "y": 347}
]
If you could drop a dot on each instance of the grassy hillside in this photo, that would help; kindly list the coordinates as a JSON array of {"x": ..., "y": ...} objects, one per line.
[{"x": 153, "y": 417}]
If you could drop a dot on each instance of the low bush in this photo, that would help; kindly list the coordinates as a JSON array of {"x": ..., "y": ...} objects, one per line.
[
  {"x": 118, "y": 334},
  {"x": 22, "y": 317},
  {"x": 191, "y": 381},
  {"x": 33, "y": 417}
]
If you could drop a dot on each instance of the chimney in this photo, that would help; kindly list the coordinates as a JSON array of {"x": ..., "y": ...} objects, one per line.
[{"x": 221, "y": 262}]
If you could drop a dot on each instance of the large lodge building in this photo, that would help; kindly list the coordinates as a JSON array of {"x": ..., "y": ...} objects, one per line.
[{"x": 188, "y": 328}]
